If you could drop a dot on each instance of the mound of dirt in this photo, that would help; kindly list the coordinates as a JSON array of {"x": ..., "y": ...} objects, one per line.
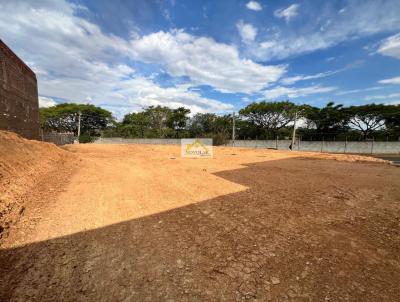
[
  {"x": 23, "y": 163},
  {"x": 345, "y": 157}
]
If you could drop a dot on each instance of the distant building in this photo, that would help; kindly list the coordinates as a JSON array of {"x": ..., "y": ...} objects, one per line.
[{"x": 19, "y": 105}]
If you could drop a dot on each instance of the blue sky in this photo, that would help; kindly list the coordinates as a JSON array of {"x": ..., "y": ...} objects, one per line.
[{"x": 209, "y": 56}]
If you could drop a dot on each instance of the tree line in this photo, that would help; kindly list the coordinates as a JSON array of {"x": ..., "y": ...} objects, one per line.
[{"x": 258, "y": 120}]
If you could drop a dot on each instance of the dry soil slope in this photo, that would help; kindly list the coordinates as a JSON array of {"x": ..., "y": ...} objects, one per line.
[{"x": 23, "y": 163}]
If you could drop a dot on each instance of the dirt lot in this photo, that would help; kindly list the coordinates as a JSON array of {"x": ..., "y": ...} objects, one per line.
[{"x": 139, "y": 223}]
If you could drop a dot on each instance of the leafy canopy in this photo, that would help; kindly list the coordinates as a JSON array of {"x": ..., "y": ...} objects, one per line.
[
  {"x": 64, "y": 117},
  {"x": 270, "y": 115}
]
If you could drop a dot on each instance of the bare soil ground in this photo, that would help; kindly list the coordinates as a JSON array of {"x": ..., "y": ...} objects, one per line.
[
  {"x": 24, "y": 166},
  {"x": 140, "y": 223}
]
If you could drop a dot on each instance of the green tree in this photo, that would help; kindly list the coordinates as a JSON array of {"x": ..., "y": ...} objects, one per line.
[
  {"x": 392, "y": 120},
  {"x": 64, "y": 117},
  {"x": 178, "y": 119},
  {"x": 203, "y": 124},
  {"x": 158, "y": 117},
  {"x": 327, "y": 121},
  {"x": 367, "y": 118},
  {"x": 212, "y": 126},
  {"x": 135, "y": 124},
  {"x": 222, "y": 129},
  {"x": 269, "y": 116}
]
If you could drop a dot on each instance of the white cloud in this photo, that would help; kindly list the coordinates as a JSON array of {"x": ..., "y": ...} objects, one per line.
[
  {"x": 393, "y": 81},
  {"x": 287, "y": 13},
  {"x": 396, "y": 102},
  {"x": 77, "y": 61},
  {"x": 131, "y": 94},
  {"x": 204, "y": 61},
  {"x": 390, "y": 47},
  {"x": 245, "y": 99},
  {"x": 382, "y": 97},
  {"x": 254, "y": 5},
  {"x": 64, "y": 44},
  {"x": 367, "y": 18},
  {"x": 358, "y": 90},
  {"x": 143, "y": 92},
  {"x": 46, "y": 102},
  {"x": 294, "y": 79},
  {"x": 293, "y": 92},
  {"x": 247, "y": 31}
]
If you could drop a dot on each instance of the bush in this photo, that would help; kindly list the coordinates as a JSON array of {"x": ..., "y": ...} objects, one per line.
[
  {"x": 219, "y": 139},
  {"x": 86, "y": 138}
]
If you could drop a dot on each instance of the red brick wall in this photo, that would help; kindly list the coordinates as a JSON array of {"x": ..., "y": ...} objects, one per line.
[{"x": 19, "y": 106}]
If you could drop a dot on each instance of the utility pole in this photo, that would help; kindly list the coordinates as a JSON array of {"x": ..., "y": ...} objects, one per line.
[
  {"x": 233, "y": 129},
  {"x": 294, "y": 130},
  {"x": 79, "y": 125}
]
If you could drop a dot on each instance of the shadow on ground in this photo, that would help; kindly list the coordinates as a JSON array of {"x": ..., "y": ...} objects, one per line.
[{"x": 291, "y": 236}]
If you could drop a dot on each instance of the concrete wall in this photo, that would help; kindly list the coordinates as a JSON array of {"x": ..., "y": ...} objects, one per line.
[
  {"x": 149, "y": 141},
  {"x": 19, "y": 106},
  {"x": 57, "y": 138},
  {"x": 368, "y": 147},
  {"x": 315, "y": 146}
]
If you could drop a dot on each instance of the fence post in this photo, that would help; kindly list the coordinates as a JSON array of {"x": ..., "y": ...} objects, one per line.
[
  {"x": 233, "y": 129},
  {"x": 322, "y": 144},
  {"x": 276, "y": 142},
  {"x": 372, "y": 145},
  {"x": 345, "y": 145},
  {"x": 79, "y": 125}
]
